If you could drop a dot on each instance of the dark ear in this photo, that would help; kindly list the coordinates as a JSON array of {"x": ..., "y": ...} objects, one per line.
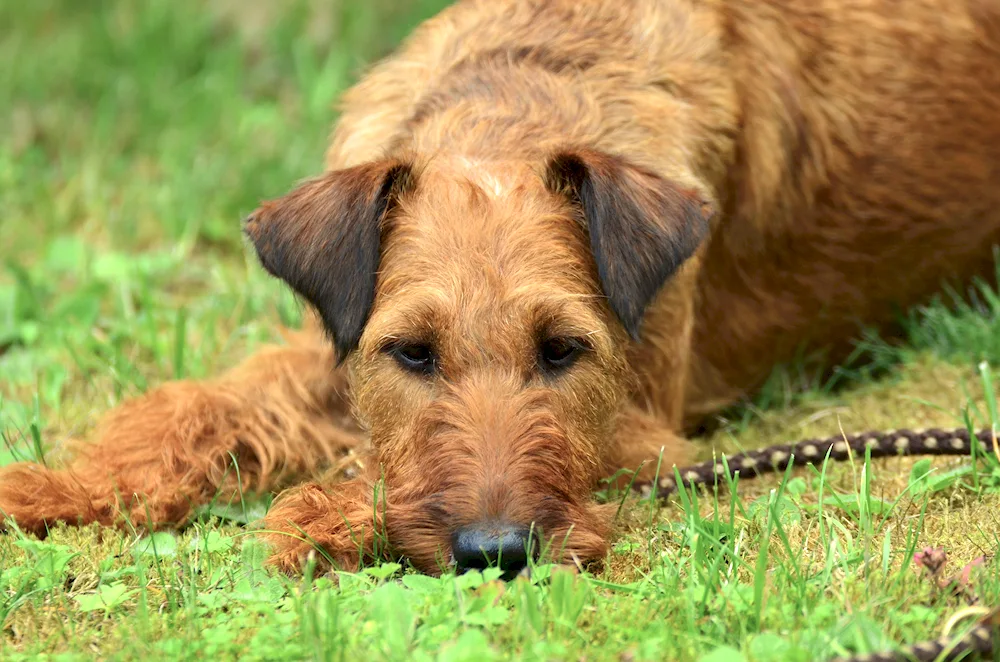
[
  {"x": 642, "y": 227},
  {"x": 324, "y": 240}
]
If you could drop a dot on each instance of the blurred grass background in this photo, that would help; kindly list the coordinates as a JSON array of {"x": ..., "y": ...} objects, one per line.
[{"x": 134, "y": 137}]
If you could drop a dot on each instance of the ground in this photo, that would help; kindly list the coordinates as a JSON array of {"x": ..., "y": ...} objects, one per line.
[{"x": 138, "y": 134}]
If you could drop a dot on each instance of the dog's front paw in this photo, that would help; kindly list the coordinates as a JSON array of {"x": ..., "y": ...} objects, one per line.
[
  {"x": 309, "y": 524},
  {"x": 292, "y": 557}
]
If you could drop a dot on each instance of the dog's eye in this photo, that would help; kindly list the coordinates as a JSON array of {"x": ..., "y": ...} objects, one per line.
[
  {"x": 414, "y": 357},
  {"x": 559, "y": 353}
]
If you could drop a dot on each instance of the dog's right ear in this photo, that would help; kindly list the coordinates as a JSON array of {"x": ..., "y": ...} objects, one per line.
[
  {"x": 324, "y": 240},
  {"x": 642, "y": 227}
]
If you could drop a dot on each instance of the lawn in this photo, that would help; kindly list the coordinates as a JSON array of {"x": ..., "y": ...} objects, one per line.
[{"x": 136, "y": 135}]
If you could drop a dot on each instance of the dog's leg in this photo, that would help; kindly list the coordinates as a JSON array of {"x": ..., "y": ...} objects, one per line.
[
  {"x": 280, "y": 415},
  {"x": 337, "y": 525},
  {"x": 646, "y": 445},
  {"x": 650, "y": 429}
]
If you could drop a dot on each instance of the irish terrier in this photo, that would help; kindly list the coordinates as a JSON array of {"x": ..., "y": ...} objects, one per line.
[{"x": 551, "y": 236}]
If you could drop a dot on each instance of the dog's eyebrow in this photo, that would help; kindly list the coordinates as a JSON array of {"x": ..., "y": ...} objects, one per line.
[
  {"x": 567, "y": 331},
  {"x": 391, "y": 340},
  {"x": 566, "y": 320},
  {"x": 417, "y": 320}
]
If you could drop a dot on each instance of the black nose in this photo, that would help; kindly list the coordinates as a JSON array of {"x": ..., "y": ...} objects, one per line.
[{"x": 480, "y": 546}]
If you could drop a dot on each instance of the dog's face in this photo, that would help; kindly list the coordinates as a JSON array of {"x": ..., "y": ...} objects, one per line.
[{"x": 485, "y": 311}]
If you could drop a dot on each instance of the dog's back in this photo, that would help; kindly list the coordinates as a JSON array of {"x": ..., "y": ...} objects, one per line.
[{"x": 867, "y": 172}]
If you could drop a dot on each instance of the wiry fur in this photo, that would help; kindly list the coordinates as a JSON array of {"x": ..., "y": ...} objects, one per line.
[{"x": 728, "y": 180}]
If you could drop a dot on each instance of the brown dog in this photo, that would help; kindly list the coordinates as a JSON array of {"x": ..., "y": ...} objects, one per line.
[{"x": 554, "y": 233}]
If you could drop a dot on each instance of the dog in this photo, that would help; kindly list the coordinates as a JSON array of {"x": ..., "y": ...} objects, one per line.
[{"x": 552, "y": 236}]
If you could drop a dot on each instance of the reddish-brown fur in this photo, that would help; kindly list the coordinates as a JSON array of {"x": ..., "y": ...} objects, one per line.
[{"x": 524, "y": 170}]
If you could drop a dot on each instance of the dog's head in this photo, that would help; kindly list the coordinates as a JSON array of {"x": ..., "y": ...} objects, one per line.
[{"x": 485, "y": 311}]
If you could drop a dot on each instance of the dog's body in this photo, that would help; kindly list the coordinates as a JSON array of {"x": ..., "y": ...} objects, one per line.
[
  {"x": 727, "y": 181},
  {"x": 852, "y": 147}
]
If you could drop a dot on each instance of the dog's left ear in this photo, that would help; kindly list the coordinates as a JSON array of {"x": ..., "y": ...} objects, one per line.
[
  {"x": 324, "y": 240},
  {"x": 642, "y": 227}
]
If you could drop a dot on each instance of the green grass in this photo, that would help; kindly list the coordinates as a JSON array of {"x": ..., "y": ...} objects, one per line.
[{"x": 140, "y": 133}]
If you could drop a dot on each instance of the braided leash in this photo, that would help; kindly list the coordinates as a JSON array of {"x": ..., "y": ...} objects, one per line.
[
  {"x": 981, "y": 640},
  {"x": 775, "y": 459},
  {"x": 984, "y": 638}
]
